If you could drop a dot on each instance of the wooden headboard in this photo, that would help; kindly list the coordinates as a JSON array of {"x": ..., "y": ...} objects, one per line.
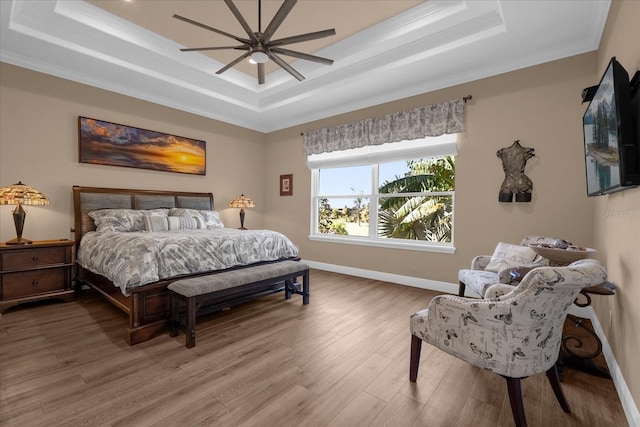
[{"x": 87, "y": 199}]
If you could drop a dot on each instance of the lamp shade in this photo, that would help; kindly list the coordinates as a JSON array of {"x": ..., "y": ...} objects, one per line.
[
  {"x": 20, "y": 194},
  {"x": 242, "y": 201}
]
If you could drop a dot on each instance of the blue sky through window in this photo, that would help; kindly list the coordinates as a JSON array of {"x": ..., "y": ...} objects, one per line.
[{"x": 340, "y": 181}]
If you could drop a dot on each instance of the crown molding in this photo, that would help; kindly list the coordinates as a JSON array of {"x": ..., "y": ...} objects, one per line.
[{"x": 434, "y": 45}]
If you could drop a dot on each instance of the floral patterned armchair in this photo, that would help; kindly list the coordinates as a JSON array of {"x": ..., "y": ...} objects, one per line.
[
  {"x": 515, "y": 332},
  {"x": 480, "y": 277}
]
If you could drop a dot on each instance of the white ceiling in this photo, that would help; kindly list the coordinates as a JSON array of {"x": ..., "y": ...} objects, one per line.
[{"x": 383, "y": 51}]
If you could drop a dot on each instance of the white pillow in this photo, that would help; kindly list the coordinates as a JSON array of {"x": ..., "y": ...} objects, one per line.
[{"x": 510, "y": 256}]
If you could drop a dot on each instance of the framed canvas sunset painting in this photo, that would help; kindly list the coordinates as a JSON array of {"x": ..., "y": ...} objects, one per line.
[{"x": 106, "y": 143}]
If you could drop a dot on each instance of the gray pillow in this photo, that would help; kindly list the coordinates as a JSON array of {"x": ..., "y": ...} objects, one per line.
[{"x": 123, "y": 220}]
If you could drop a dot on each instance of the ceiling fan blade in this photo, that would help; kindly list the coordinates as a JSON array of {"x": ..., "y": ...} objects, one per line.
[
  {"x": 241, "y": 20},
  {"x": 232, "y": 63},
  {"x": 303, "y": 37},
  {"x": 301, "y": 55},
  {"x": 288, "y": 68},
  {"x": 215, "y": 30},
  {"x": 275, "y": 23},
  {"x": 261, "y": 74},
  {"x": 196, "y": 49}
]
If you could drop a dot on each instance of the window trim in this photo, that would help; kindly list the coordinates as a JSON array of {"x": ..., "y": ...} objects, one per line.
[
  {"x": 442, "y": 149},
  {"x": 412, "y": 245}
]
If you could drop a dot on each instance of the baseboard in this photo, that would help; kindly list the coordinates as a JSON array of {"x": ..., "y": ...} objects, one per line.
[
  {"x": 584, "y": 312},
  {"x": 628, "y": 404},
  {"x": 415, "y": 282}
]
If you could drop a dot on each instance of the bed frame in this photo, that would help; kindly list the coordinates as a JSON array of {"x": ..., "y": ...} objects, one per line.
[{"x": 147, "y": 306}]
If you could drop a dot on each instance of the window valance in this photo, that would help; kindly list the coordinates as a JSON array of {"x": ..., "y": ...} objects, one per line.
[
  {"x": 444, "y": 145},
  {"x": 421, "y": 122}
]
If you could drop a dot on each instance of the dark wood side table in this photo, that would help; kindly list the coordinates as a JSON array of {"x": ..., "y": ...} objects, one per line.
[
  {"x": 37, "y": 271},
  {"x": 574, "y": 352}
]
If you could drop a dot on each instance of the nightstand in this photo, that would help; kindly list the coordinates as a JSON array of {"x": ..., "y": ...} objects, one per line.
[{"x": 37, "y": 271}]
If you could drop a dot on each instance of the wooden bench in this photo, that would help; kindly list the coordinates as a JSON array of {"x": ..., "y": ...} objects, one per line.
[{"x": 217, "y": 291}]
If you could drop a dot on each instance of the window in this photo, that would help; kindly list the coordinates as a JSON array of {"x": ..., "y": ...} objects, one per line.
[{"x": 392, "y": 195}]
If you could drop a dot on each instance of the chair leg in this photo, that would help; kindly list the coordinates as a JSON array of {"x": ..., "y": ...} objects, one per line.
[
  {"x": 461, "y": 289},
  {"x": 416, "y": 346},
  {"x": 515, "y": 398},
  {"x": 554, "y": 380}
]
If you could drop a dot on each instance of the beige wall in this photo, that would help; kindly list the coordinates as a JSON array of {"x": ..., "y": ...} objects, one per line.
[
  {"x": 617, "y": 217},
  {"x": 540, "y": 106},
  {"x": 39, "y": 146}
]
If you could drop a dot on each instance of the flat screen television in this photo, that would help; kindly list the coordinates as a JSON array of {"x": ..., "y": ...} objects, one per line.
[{"x": 611, "y": 141}]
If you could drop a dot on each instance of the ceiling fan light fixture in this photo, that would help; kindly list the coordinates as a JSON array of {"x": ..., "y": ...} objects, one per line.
[{"x": 259, "y": 56}]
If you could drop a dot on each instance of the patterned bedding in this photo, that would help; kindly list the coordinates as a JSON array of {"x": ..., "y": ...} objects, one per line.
[{"x": 131, "y": 259}]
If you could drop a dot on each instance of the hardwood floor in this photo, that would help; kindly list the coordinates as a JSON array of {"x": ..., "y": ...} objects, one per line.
[{"x": 343, "y": 360}]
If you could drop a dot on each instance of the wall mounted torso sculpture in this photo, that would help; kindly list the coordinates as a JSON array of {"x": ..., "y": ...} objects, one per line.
[{"x": 514, "y": 159}]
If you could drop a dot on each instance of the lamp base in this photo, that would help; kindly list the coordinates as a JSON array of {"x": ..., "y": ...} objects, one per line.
[
  {"x": 241, "y": 219},
  {"x": 18, "y": 241},
  {"x": 19, "y": 216}
]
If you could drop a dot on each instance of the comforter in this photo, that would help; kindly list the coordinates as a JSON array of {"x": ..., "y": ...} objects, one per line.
[{"x": 137, "y": 258}]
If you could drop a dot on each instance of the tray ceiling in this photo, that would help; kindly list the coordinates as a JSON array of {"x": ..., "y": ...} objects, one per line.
[{"x": 383, "y": 50}]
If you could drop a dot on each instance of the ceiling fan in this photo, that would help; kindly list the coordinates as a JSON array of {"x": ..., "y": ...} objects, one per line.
[{"x": 259, "y": 46}]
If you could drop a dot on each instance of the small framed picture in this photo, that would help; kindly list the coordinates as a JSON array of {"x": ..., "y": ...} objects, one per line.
[{"x": 286, "y": 185}]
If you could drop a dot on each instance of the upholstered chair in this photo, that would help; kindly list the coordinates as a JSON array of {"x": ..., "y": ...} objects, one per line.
[
  {"x": 515, "y": 332},
  {"x": 487, "y": 270}
]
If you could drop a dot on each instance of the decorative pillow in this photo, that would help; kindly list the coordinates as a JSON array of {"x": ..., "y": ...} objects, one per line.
[
  {"x": 116, "y": 220},
  {"x": 156, "y": 223},
  {"x": 123, "y": 220},
  {"x": 509, "y": 256},
  {"x": 163, "y": 223},
  {"x": 184, "y": 223},
  {"x": 156, "y": 212},
  {"x": 209, "y": 219}
]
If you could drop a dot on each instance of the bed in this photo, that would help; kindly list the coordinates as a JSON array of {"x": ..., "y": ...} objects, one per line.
[{"x": 128, "y": 265}]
